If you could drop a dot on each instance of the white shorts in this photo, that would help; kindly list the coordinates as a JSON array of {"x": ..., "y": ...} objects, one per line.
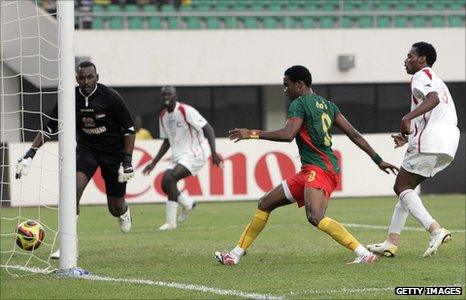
[
  {"x": 426, "y": 164},
  {"x": 193, "y": 164}
]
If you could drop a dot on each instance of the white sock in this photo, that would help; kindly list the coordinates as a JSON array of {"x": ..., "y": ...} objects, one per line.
[
  {"x": 185, "y": 201},
  {"x": 400, "y": 214},
  {"x": 237, "y": 252},
  {"x": 415, "y": 207},
  {"x": 361, "y": 250},
  {"x": 172, "y": 207}
]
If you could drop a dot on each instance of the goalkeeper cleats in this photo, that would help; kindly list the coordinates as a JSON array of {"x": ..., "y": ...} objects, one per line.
[
  {"x": 23, "y": 167},
  {"x": 225, "y": 258},
  {"x": 386, "y": 249},
  {"x": 185, "y": 213},
  {"x": 367, "y": 258},
  {"x": 437, "y": 238},
  {"x": 167, "y": 226},
  {"x": 125, "y": 221}
]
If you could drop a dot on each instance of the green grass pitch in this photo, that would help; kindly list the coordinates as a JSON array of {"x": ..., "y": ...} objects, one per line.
[{"x": 290, "y": 259}]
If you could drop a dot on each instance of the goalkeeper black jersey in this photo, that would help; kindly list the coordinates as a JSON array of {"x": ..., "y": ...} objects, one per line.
[{"x": 102, "y": 120}]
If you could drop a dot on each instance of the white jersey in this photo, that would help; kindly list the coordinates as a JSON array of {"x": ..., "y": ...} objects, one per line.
[
  {"x": 183, "y": 129},
  {"x": 435, "y": 131}
]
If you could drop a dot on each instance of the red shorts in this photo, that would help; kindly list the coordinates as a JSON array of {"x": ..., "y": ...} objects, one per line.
[{"x": 310, "y": 176}]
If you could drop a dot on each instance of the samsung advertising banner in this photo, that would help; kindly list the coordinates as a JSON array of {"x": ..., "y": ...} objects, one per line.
[{"x": 251, "y": 168}]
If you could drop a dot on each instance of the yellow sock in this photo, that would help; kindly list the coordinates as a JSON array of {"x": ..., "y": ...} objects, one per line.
[
  {"x": 338, "y": 232},
  {"x": 253, "y": 229}
]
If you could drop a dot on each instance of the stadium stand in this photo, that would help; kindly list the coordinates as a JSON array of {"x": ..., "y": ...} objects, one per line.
[{"x": 270, "y": 14}]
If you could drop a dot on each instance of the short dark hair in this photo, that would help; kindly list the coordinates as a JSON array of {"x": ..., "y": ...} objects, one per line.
[
  {"x": 297, "y": 73},
  {"x": 427, "y": 50},
  {"x": 86, "y": 64}
]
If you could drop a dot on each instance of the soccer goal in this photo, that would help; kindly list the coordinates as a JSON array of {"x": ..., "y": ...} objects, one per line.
[{"x": 36, "y": 71}]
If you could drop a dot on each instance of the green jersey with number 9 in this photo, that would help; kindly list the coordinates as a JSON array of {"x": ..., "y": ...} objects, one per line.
[{"x": 314, "y": 139}]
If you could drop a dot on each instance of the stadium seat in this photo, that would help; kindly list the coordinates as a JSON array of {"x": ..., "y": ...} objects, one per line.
[
  {"x": 270, "y": 23},
  {"x": 384, "y": 21},
  {"x": 401, "y": 21},
  {"x": 274, "y": 7},
  {"x": 310, "y": 6},
  {"x": 293, "y": 6},
  {"x": 456, "y": 21},
  {"x": 172, "y": 23},
  {"x": 419, "y": 22},
  {"x": 365, "y": 22},
  {"x": 420, "y": 6},
  {"x": 213, "y": 23},
  {"x": 134, "y": 22},
  {"x": 230, "y": 22},
  {"x": 250, "y": 23},
  {"x": 326, "y": 22},
  {"x": 308, "y": 22},
  {"x": 114, "y": 22},
  {"x": 152, "y": 22},
  {"x": 193, "y": 23},
  {"x": 350, "y": 5},
  {"x": 437, "y": 21},
  {"x": 457, "y": 5},
  {"x": 290, "y": 22},
  {"x": 346, "y": 22},
  {"x": 383, "y": 6},
  {"x": 98, "y": 22}
]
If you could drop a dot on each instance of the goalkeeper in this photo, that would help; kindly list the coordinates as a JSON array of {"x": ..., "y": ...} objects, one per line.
[{"x": 105, "y": 139}]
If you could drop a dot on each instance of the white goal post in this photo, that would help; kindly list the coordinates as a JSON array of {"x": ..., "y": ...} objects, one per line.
[{"x": 67, "y": 138}]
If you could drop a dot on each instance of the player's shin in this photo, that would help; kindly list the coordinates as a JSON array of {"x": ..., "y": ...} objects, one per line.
[
  {"x": 413, "y": 203},
  {"x": 258, "y": 222},
  {"x": 338, "y": 232}
]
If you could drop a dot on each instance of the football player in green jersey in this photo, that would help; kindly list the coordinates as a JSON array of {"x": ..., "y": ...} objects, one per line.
[{"x": 310, "y": 118}]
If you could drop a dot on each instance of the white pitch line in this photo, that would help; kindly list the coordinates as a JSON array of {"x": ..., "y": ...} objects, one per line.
[
  {"x": 180, "y": 286},
  {"x": 386, "y": 227}
]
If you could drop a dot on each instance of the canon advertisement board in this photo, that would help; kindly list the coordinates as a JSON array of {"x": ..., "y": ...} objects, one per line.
[{"x": 251, "y": 168}]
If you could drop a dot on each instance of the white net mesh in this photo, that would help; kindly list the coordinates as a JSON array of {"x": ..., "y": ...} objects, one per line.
[{"x": 29, "y": 87}]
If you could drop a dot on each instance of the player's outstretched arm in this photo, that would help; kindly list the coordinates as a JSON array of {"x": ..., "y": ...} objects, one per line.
[
  {"x": 210, "y": 135},
  {"x": 356, "y": 137},
  {"x": 24, "y": 163},
  {"x": 286, "y": 134},
  {"x": 163, "y": 149}
]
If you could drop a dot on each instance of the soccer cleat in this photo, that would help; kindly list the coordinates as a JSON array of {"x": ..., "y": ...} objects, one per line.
[
  {"x": 125, "y": 221},
  {"x": 185, "y": 213},
  {"x": 167, "y": 226},
  {"x": 225, "y": 258},
  {"x": 365, "y": 259},
  {"x": 442, "y": 236},
  {"x": 386, "y": 249}
]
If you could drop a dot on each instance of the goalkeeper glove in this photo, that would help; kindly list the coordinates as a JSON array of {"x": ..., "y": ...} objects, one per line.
[
  {"x": 125, "y": 171},
  {"x": 24, "y": 163}
]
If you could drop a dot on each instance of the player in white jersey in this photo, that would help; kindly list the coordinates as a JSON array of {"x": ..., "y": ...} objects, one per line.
[
  {"x": 189, "y": 135},
  {"x": 432, "y": 136}
]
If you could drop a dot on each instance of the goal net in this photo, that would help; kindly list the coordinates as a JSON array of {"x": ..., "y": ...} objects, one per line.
[{"x": 29, "y": 88}]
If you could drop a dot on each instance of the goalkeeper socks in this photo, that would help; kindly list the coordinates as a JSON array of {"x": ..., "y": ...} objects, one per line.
[
  {"x": 338, "y": 233},
  {"x": 400, "y": 214},
  {"x": 172, "y": 207},
  {"x": 413, "y": 204},
  {"x": 253, "y": 229}
]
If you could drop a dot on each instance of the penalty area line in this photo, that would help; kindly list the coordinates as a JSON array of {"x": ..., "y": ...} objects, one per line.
[{"x": 175, "y": 285}]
